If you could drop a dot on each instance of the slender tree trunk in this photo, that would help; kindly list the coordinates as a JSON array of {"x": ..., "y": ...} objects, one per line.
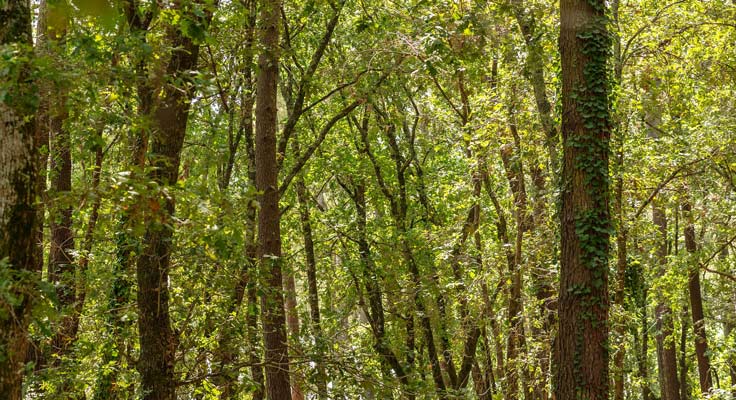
[
  {"x": 534, "y": 73},
  {"x": 316, "y": 324},
  {"x": 88, "y": 241},
  {"x": 696, "y": 303},
  {"x": 684, "y": 387},
  {"x": 125, "y": 242},
  {"x": 515, "y": 176},
  {"x": 619, "y": 373},
  {"x": 18, "y": 219},
  {"x": 269, "y": 230},
  {"x": 61, "y": 260},
  {"x": 666, "y": 354},
  {"x": 582, "y": 357},
  {"x": 292, "y": 323},
  {"x": 643, "y": 351},
  {"x": 728, "y": 328}
]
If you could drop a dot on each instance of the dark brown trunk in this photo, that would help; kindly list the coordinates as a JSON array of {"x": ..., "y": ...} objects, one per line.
[
  {"x": 374, "y": 309},
  {"x": 18, "y": 185},
  {"x": 157, "y": 341},
  {"x": 269, "y": 230},
  {"x": 666, "y": 353},
  {"x": 696, "y": 303},
  {"x": 581, "y": 353}
]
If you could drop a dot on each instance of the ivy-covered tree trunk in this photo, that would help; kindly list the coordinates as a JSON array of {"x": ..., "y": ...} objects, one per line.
[
  {"x": 269, "y": 231},
  {"x": 18, "y": 168},
  {"x": 581, "y": 370},
  {"x": 157, "y": 341}
]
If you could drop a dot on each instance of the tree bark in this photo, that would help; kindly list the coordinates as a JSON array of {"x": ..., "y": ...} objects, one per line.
[
  {"x": 582, "y": 359},
  {"x": 269, "y": 230},
  {"x": 18, "y": 219},
  {"x": 61, "y": 260},
  {"x": 666, "y": 354},
  {"x": 696, "y": 303},
  {"x": 303, "y": 198},
  {"x": 157, "y": 340}
]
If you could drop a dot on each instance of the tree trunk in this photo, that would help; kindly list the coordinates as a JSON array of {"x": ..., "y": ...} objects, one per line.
[
  {"x": 696, "y": 303},
  {"x": 666, "y": 354},
  {"x": 157, "y": 341},
  {"x": 684, "y": 387},
  {"x": 728, "y": 328},
  {"x": 643, "y": 353},
  {"x": 18, "y": 228},
  {"x": 61, "y": 260},
  {"x": 303, "y": 199},
  {"x": 269, "y": 231},
  {"x": 125, "y": 241},
  {"x": 292, "y": 323},
  {"x": 581, "y": 353},
  {"x": 515, "y": 176}
]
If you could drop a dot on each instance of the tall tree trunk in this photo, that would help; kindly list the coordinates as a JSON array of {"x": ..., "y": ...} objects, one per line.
[
  {"x": 643, "y": 351},
  {"x": 696, "y": 303},
  {"x": 515, "y": 176},
  {"x": 582, "y": 357},
  {"x": 303, "y": 198},
  {"x": 61, "y": 260},
  {"x": 534, "y": 73},
  {"x": 684, "y": 387},
  {"x": 666, "y": 354},
  {"x": 18, "y": 219},
  {"x": 269, "y": 230},
  {"x": 621, "y": 261},
  {"x": 619, "y": 373},
  {"x": 125, "y": 242},
  {"x": 292, "y": 323},
  {"x": 728, "y": 328},
  {"x": 157, "y": 341}
]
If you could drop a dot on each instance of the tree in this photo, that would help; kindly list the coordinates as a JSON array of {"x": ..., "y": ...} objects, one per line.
[
  {"x": 269, "y": 219},
  {"x": 17, "y": 193},
  {"x": 581, "y": 350},
  {"x": 157, "y": 340}
]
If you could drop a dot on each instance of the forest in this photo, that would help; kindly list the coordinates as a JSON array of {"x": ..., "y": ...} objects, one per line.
[{"x": 368, "y": 199}]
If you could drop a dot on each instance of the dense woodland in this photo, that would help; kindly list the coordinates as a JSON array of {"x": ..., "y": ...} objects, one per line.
[{"x": 362, "y": 199}]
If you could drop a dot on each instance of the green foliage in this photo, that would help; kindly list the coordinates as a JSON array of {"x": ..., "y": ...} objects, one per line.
[{"x": 440, "y": 91}]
